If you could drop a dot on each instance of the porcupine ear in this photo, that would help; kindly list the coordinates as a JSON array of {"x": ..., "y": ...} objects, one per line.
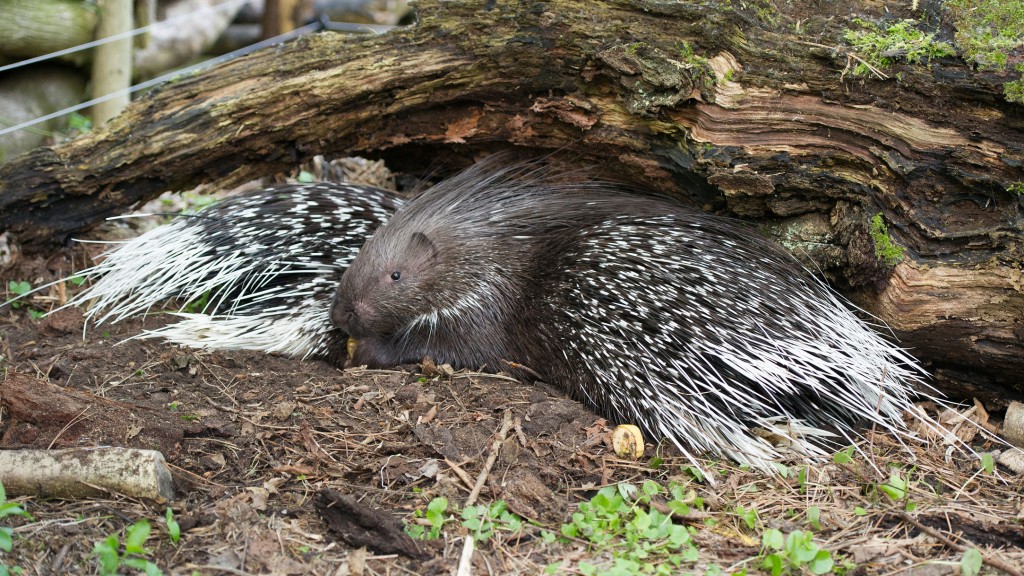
[{"x": 423, "y": 247}]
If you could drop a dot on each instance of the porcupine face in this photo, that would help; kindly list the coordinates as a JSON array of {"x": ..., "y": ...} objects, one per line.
[{"x": 380, "y": 294}]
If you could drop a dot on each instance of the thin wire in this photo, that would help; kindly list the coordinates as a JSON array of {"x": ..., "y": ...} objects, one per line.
[
  {"x": 159, "y": 79},
  {"x": 116, "y": 37}
]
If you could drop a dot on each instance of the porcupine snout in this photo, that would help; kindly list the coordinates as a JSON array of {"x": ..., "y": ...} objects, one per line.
[{"x": 342, "y": 312}]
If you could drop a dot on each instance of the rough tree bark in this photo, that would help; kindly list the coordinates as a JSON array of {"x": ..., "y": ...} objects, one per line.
[{"x": 748, "y": 111}]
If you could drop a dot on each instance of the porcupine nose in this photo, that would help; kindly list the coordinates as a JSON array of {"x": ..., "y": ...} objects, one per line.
[{"x": 341, "y": 312}]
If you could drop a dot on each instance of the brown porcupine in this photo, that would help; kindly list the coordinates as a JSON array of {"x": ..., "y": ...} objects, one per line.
[{"x": 690, "y": 325}]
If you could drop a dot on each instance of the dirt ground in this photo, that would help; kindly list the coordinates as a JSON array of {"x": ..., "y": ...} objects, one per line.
[{"x": 255, "y": 443}]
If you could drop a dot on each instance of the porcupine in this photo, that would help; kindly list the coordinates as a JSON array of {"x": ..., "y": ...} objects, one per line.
[
  {"x": 269, "y": 262},
  {"x": 690, "y": 325}
]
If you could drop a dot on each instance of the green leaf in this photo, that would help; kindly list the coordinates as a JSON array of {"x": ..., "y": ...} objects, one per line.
[
  {"x": 678, "y": 507},
  {"x": 12, "y": 509},
  {"x": 895, "y": 488},
  {"x": 106, "y": 552},
  {"x": 695, "y": 472},
  {"x": 970, "y": 563},
  {"x": 78, "y": 122},
  {"x": 988, "y": 464},
  {"x": 438, "y": 505},
  {"x": 822, "y": 563},
  {"x": 6, "y": 542},
  {"x": 773, "y": 562},
  {"x": 844, "y": 456},
  {"x": 415, "y": 531},
  {"x": 142, "y": 564},
  {"x": 805, "y": 553},
  {"x": 860, "y": 511},
  {"x": 627, "y": 491},
  {"x": 678, "y": 535},
  {"x": 772, "y": 539},
  {"x": 749, "y": 517},
  {"x": 173, "y": 529},
  {"x": 135, "y": 537},
  {"x": 813, "y": 517},
  {"x": 19, "y": 288},
  {"x": 650, "y": 487}
]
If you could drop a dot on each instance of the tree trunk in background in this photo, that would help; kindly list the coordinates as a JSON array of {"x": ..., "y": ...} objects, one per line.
[
  {"x": 112, "y": 62},
  {"x": 752, "y": 112}
]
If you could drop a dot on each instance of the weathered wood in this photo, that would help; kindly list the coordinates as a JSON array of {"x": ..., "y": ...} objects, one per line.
[
  {"x": 86, "y": 473},
  {"x": 35, "y": 27},
  {"x": 360, "y": 525},
  {"x": 728, "y": 107}
]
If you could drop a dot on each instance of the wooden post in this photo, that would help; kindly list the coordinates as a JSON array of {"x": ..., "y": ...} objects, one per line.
[
  {"x": 279, "y": 16},
  {"x": 112, "y": 62}
]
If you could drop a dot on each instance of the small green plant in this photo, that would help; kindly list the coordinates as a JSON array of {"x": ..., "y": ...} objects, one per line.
[
  {"x": 987, "y": 30},
  {"x": 970, "y": 563},
  {"x": 793, "y": 554},
  {"x": 434, "y": 514},
  {"x": 79, "y": 122},
  {"x": 640, "y": 539},
  {"x": 814, "y": 517},
  {"x": 484, "y": 520},
  {"x": 695, "y": 472},
  {"x": 882, "y": 46},
  {"x": 897, "y": 489},
  {"x": 1016, "y": 187},
  {"x": 749, "y": 517},
  {"x": 782, "y": 469},
  {"x": 6, "y": 532},
  {"x": 173, "y": 529},
  {"x": 19, "y": 289},
  {"x": 1013, "y": 91},
  {"x": 885, "y": 249},
  {"x": 844, "y": 456},
  {"x": 112, "y": 559},
  {"x": 199, "y": 304},
  {"x": 988, "y": 464}
]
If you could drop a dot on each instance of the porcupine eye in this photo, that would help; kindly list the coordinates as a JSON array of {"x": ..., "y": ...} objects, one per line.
[{"x": 396, "y": 276}]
